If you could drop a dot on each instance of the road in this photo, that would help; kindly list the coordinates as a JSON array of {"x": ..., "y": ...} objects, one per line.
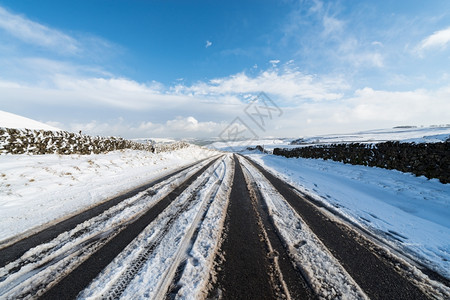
[{"x": 223, "y": 228}]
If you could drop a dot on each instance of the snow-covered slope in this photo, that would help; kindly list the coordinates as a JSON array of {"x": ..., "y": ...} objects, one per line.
[
  {"x": 430, "y": 134},
  {"x": 10, "y": 120}
]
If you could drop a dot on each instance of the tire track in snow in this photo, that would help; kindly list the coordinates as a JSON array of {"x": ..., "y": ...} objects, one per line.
[
  {"x": 136, "y": 264},
  {"x": 35, "y": 271},
  {"x": 83, "y": 274},
  {"x": 147, "y": 266},
  {"x": 294, "y": 284},
  {"x": 194, "y": 276},
  {"x": 374, "y": 276},
  {"x": 248, "y": 263},
  {"x": 14, "y": 249},
  {"x": 322, "y": 271},
  {"x": 177, "y": 277}
]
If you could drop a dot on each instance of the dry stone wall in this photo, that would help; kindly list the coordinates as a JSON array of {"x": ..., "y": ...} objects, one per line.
[
  {"x": 26, "y": 141},
  {"x": 429, "y": 159}
]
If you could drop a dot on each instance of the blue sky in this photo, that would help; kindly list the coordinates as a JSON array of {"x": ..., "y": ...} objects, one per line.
[{"x": 187, "y": 69}]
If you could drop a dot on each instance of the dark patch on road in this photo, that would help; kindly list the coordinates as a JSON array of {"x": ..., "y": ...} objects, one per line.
[
  {"x": 243, "y": 273},
  {"x": 80, "y": 277}
]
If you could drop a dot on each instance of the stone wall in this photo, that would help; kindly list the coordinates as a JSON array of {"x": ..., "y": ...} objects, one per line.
[
  {"x": 429, "y": 159},
  {"x": 26, "y": 141}
]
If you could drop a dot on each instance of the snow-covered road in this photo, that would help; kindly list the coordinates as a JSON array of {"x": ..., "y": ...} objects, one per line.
[{"x": 223, "y": 227}]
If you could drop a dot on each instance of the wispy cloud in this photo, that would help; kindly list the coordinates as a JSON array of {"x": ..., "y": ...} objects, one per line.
[
  {"x": 326, "y": 36},
  {"x": 287, "y": 84},
  {"x": 37, "y": 34},
  {"x": 438, "y": 40},
  {"x": 332, "y": 25}
]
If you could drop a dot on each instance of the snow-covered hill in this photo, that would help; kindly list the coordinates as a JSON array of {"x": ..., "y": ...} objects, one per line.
[
  {"x": 10, "y": 120},
  {"x": 432, "y": 134}
]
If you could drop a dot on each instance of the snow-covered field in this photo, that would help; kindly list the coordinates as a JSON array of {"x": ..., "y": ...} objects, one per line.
[
  {"x": 411, "y": 214},
  {"x": 417, "y": 135},
  {"x": 413, "y": 134},
  {"x": 38, "y": 189}
]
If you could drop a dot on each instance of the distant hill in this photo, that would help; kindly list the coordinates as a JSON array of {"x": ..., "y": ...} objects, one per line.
[{"x": 9, "y": 120}]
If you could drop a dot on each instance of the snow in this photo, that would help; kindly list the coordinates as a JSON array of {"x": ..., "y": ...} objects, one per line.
[
  {"x": 39, "y": 189},
  {"x": 10, "y": 120},
  {"x": 194, "y": 280},
  {"x": 408, "y": 214},
  {"x": 411, "y": 214},
  {"x": 240, "y": 146},
  {"x": 413, "y": 134},
  {"x": 155, "y": 140}
]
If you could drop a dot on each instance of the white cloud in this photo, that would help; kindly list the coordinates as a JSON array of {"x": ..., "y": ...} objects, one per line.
[
  {"x": 438, "y": 40},
  {"x": 288, "y": 84},
  {"x": 180, "y": 127},
  {"x": 36, "y": 34},
  {"x": 274, "y": 62},
  {"x": 165, "y": 114},
  {"x": 191, "y": 125},
  {"x": 366, "y": 109},
  {"x": 377, "y": 43},
  {"x": 311, "y": 103},
  {"x": 65, "y": 90},
  {"x": 208, "y": 44}
]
